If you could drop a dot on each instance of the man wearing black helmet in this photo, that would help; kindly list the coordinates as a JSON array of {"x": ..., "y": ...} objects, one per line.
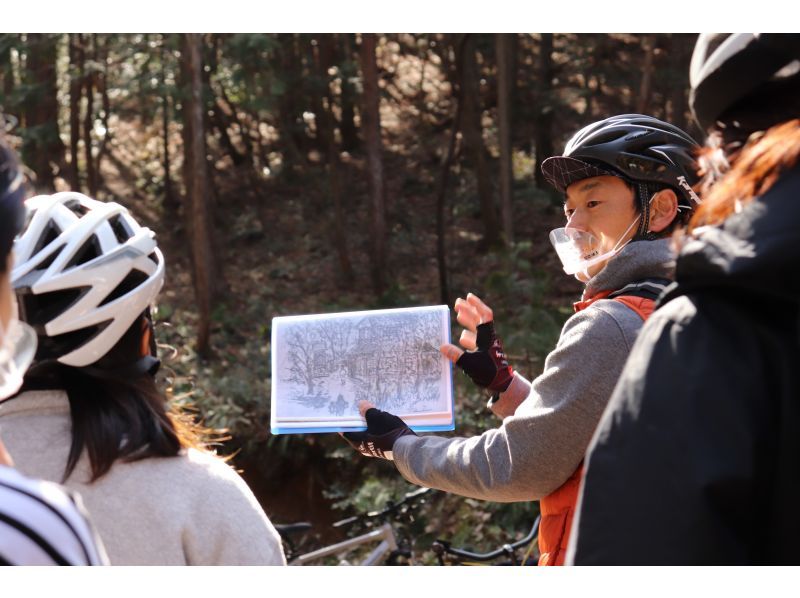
[
  {"x": 626, "y": 181},
  {"x": 697, "y": 459}
]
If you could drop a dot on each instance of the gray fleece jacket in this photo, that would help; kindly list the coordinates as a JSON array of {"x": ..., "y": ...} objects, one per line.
[
  {"x": 537, "y": 449},
  {"x": 192, "y": 509}
]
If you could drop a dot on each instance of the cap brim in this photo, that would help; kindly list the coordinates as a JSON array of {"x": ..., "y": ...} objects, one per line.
[{"x": 562, "y": 171}]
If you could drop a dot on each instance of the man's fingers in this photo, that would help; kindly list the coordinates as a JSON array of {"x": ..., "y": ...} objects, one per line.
[
  {"x": 484, "y": 311},
  {"x": 363, "y": 407},
  {"x": 452, "y": 352},
  {"x": 468, "y": 340},
  {"x": 467, "y": 316}
]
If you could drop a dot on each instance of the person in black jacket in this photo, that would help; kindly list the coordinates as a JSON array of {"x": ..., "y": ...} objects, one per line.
[{"x": 697, "y": 457}]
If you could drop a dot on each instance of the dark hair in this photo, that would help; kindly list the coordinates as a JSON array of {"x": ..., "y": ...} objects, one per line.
[
  {"x": 115, "y": 416},
  {"x": 12, "y": 210}
]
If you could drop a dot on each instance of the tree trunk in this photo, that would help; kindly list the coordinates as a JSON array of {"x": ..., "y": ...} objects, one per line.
[
  {"x": 171, "y": 202},
  {"x": 347, "y": 68},
  {"x": 473, "y": 136},
  {"x": 326, "y": 124},
  {"x": 7, "y": 70},
  {"x": 75, "y": 86},
  {"x": 371, "y": 124},
  {"x": 291, "y": 141},
  {"x": 441, "y": 192},
  {"x": 646, "y": 87},
  {"x": 42, "y": 147},
  {"x": 679, "y": 61},
  {"x": 197, "y": 184},
  {"x": 105, "y": 101},
  {"x": 543, "y": 125},
  {"x": 315, "y": 88},
  {"x": 505, "y": 92},
  {"x": 88, "y": 125},
  {"x": 218, "y": 117}
]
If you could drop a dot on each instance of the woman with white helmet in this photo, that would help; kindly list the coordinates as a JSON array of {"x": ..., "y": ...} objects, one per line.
[
  {"x": 40, "y": 524},
  {"x": 90, "y": 413}
]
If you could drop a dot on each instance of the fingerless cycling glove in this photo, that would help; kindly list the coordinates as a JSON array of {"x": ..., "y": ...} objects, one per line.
[{"x": 487, "y": 366}]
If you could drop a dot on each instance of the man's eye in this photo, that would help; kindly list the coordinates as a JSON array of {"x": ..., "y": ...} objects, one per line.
[{"x": 592, "y": 204}]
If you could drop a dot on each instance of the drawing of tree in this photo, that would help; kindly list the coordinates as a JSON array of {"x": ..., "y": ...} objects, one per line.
[
  {"x": 301, "y": 359},
  {"x": 335, "y": 337}
]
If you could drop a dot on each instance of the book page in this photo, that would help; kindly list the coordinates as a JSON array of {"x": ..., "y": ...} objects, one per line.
[{"x": 323, "y": 365}]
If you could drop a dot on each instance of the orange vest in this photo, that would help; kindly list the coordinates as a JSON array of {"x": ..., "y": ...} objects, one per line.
[{"x": 558, "y": 507}]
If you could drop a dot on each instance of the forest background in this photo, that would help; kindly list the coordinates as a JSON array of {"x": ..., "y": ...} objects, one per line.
[{"x": 306, "y": 173}]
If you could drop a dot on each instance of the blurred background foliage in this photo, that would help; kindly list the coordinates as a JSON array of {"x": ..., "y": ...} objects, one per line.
[{"x": 306, "y": 173}]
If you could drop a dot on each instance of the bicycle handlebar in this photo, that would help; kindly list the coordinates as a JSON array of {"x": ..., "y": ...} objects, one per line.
[
  {"x": 441, "y": 547},
  {"x": 391, "y": 508}
]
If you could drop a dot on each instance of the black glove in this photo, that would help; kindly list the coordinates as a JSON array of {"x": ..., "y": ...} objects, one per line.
[
  {"x": 383, "y": 429},
  {"x": 487, "y": 366}
]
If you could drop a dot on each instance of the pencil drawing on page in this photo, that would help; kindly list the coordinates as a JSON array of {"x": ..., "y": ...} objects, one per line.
[{"x": 326, "y": 366}]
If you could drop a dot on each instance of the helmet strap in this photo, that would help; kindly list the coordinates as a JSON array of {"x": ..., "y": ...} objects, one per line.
[{"x": 644, "y": 194}]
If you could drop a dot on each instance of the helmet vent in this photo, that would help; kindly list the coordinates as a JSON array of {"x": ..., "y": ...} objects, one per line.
[
  {"x": 88, "y": 251},
  {"x": 77, "y": 207},
  {"x": 46, "y": 263},
  {"x": 54, "y": 347},
  {"x": 128, "y": 284},
  {"x": 38, "y": 310},
  {"x": 121, "y": 232},
  {"x": 50, "y": 234}
]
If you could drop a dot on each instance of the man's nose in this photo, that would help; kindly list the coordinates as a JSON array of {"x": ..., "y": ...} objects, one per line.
[{"x": 577, "y": 221}]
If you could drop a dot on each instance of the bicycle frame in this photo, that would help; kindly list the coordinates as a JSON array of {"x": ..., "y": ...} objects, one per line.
[{"x": 384, "y": 533}]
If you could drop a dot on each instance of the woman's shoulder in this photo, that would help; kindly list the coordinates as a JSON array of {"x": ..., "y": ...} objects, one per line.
[{"x": 192, "y": 466}]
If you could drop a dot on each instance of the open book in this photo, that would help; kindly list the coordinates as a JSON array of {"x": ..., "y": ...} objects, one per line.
[{"x": 324, "y": 364}]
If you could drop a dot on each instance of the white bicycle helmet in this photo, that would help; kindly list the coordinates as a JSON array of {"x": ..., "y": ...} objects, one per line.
[{"x": 84, "y": 272}]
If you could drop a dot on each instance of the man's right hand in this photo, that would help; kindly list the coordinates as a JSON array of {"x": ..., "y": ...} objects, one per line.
[{"x": 485, "y": 361}]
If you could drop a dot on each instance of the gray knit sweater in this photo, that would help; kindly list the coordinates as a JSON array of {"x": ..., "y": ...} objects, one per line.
[
  {"x": 536, "y": 449},
  {"x": 192, "y": 509}
]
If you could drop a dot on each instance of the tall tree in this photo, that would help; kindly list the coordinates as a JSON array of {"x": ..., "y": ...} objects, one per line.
[
  {"x": 543, "y": 126},
  {"x": 473, "y": 136},
  {"x": 88, "y": 120},
  {"x": 170, "y": 199},
  {"x": 292, "y": 142},
  {"x": 679, "y": 57},
  {"x": 377, "y": 185},
  {"x": 75, "y": 95},
  {"x": 42, "y": 148},
  {"x": 7, "y": 41},
  {"x": 197, "y": 184},
  {"x": 347, "y": 70},
  {"x": 441, "y": 191},
  {"x": 646, "y": 85},
  {"x": 102, "y": 57},
  {"x": 505, "y": 91},
  {"x": 325, "y": 121}
]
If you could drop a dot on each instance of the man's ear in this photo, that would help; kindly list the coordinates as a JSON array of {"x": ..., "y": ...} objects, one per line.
[{"x": 663, "y": 210}]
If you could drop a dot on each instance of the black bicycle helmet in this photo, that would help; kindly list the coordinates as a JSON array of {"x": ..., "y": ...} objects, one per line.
[
  {"x": 727, "y": 68},
  {"x": 644, "y": 151},
  {"x": 12, "y": 195}
]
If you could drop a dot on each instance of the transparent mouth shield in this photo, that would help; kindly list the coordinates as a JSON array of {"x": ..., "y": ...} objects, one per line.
[{"x": 579, "y": 250}]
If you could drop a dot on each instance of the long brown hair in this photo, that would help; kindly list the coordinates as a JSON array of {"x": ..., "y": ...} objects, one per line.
[
  {"x": 753, "y": 170},
  {"x": 123, "y": 417}
]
